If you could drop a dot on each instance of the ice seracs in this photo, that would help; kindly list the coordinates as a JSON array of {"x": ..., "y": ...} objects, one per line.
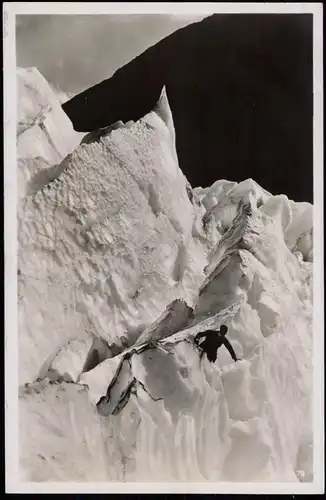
[
  {"x": 121, "y": 264},
  {"x": 44, "y": 132},
  {"x": 108, "y": 243}
]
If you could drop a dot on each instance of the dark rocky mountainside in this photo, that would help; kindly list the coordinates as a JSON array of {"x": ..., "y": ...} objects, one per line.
[{"x": 240, "y": 89}]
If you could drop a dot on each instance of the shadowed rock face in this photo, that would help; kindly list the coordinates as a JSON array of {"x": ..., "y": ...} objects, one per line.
[{"x": 241, "y": 94}]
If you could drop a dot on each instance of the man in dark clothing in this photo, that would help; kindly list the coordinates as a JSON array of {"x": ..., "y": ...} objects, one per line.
[{"x": 213, "y": 340}]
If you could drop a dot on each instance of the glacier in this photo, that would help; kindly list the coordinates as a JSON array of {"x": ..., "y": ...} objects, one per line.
[{"x": 121, "y": 262}]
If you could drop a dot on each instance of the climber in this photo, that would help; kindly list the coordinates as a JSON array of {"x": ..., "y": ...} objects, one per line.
[{"x": 213, "y": 340}]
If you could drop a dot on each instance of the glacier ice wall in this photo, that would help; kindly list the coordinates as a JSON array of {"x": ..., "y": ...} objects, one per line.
[
  {"x": 120, "y": 264},
  {"x": 44, "y": 132}
]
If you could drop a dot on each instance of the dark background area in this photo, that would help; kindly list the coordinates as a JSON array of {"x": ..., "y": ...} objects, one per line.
[
  {"x": 239, "y": 85},
  {"x": 76, "y": 51}
]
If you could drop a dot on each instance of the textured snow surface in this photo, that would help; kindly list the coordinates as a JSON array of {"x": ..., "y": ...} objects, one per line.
[
  {"x": 44, "y": 132},
  {"x": 120, "y": 264}
]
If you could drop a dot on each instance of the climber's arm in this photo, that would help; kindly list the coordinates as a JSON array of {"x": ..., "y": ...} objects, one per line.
[
  {"x": 230, "y": 349},
  {"x": 199, "y": 336}
]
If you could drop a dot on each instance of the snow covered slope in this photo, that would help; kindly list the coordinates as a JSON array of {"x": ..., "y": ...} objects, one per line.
[
  {"x": 108, "y": 244},
  {"x": 121, "y": 263},
  {"x": 44, "y": 132}
]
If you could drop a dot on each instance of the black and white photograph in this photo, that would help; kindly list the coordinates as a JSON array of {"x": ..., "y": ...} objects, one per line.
[{"x": 163, "y": 247}]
